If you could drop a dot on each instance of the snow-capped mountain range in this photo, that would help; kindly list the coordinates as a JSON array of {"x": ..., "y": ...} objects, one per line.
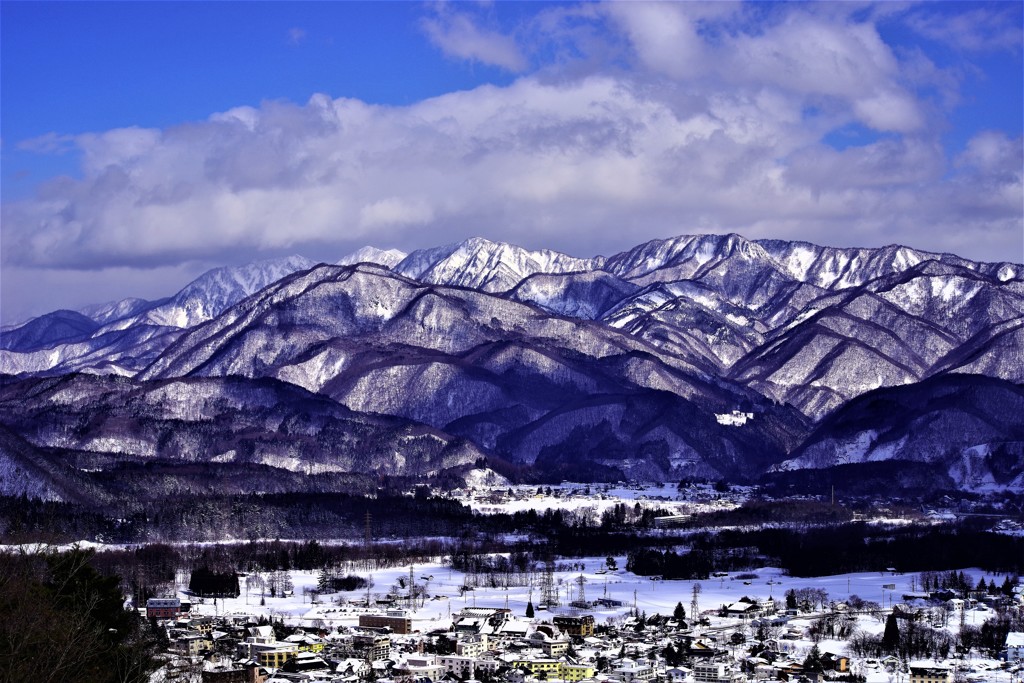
[{"x": 630, "y": 366}]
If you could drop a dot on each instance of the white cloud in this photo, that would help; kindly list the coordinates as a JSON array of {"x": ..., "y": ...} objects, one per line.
[
  {"x": 396, "y": 211},
  {"x": 819, "y": 53},
  {"x": 50, "y": 143},
  {"x": 986, "y": 28},
  {"x": 583, "y": 157},
  {"x": 889, "y": 111},
  {"x": 664, "y": 36},
  {"x": 458, "y": 35},
  {"x": 992, "y": 151}
]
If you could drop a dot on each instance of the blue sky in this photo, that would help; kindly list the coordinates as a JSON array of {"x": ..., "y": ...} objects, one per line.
[
  {"x": 144, "y": 142},
  {"x": 79, "y": 67}
]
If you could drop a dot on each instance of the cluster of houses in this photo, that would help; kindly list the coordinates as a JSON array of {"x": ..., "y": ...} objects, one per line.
[{"x": 493, "y": 645}]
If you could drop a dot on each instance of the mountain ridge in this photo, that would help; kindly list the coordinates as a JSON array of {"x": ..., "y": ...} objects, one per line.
[{"x": 617, "y": 366}]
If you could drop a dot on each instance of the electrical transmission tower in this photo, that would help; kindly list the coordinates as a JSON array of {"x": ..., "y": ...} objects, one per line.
[
  {"x": 580, "y": 603},
  {"x": 548, "y": 592},
  {"x": 694, "y": 609},
  {"x": 368, "y": 540}
]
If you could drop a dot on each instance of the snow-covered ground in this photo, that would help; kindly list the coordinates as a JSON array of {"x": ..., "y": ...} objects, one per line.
[{"x": 596, "y": 498}]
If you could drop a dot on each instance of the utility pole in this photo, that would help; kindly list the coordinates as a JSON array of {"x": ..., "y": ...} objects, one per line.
[
  {"x": 411, "y": 604},
  {"x": 368, "y": 539}
]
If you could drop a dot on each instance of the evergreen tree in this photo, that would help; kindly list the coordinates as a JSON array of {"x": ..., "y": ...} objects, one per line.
[
  {"x": 529, "y": 609},
  {"x": 679, "y": 613},
  {"x": 891, "y": 636},
  {"x": 813, "y": 661}
]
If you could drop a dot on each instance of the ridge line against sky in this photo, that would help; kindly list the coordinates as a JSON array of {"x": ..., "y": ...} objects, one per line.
[{"x": 143, "y": 143}]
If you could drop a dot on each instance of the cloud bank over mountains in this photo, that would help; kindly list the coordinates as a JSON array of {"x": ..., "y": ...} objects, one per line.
[{"x": 624, "y": 122}]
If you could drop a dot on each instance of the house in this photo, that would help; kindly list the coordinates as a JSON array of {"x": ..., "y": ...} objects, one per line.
[
  {"x": 512, "y": 629},
  {"x": 275, "y": 655},
  {"x": 373, "y": 646},
  {"x": 835, "y": 662},
  {"x": 193, "y": 644},
  {"x": 305, "y": 662},
  {"x": 556, "y": 647},
  {"x": 552, "y": 647},
  {"x": 471, "y": 645},
  {"x": 716, "y": 672},
  {"x": 929, "y": 672},
  {"x": 306, "y": 642},
  {"x": 163, "y": 608},
  {"x": 581, "y": 626},
  {"x": 535, "y": 665},
  {"x": 1014, "y": 649},
  {"x": 677, "y": 674},
  {"x": 420, "y": 667},
  {"x": 397, "y": 620},
  {"x": 742, "y": 610},
  {"x": 571, "y": 671},
  {"x": 229, "y": 672},
  {"x": 352, "y": 667},
  {"x": 261, "y": 645},
  {"x": 462, "y": 666},
  {"x": 666, "y": 521},
  {"x": 634, "y": 672}
]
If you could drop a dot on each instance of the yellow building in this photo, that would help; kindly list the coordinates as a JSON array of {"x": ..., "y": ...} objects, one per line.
[
  {"x": 535, "y": 666},
  {"x": 582, "y": 626},
  {"x": 305, "y": 642},
  {"x": 555, "y": 669},
  {"x": 276, "y": 656},
  {"x": 575, "y": 672}
]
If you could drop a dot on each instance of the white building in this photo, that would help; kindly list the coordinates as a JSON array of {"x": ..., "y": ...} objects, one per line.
[
  {"x": 716, "y": 672},
  {"x": 1014, "y": 646},
  {"x": 471, "y": 645}
]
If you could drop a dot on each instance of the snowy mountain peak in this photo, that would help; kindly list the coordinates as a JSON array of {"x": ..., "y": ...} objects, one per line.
[
  {"x": 384, "y": 257},
  {"x": 689, "y": 252},
  {"x": 489, "y": 266},
  {"x": 215, "y": 291},
  {"x": 115, "y": 310}
]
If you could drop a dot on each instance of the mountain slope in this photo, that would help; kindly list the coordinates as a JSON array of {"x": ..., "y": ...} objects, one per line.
[
  {"x": 967, "y": 427},
  {"x": 59, "y": 327},
  {"x": 101, "y": 423},
  {"x": 470, "y": 363}
]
